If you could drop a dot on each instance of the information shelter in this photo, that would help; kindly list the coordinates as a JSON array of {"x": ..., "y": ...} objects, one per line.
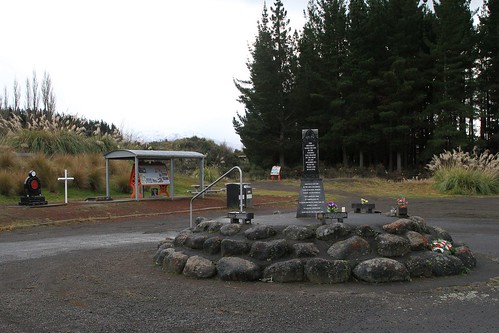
[{"x": 141, "y": 156}]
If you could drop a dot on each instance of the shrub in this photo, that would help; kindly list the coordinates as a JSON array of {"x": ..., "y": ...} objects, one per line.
[
  {"x": 210, "y": 174},
  {"x": 465, "y": 181},
  {"x": 7, "y": 158},
  {"x": 96, "y": 180},
  {"x": 459, "y": 172},
  {"x": 6, "y": 183},
  {"x": 121, "y": 183}
]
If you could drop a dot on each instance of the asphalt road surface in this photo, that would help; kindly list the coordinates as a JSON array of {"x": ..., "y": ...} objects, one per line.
[{"x": 100, "y": 278}]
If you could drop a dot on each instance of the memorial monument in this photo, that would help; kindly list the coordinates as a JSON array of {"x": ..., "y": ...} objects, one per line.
[{"x": 311, "y": 199}]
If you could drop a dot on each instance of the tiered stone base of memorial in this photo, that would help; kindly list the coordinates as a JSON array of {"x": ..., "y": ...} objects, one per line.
[{"x": 326, "y": 254}]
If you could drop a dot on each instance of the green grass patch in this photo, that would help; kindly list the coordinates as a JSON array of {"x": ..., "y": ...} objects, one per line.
[
  {"x": 462, "y": 181},
  {"x": 382, "y": 187}
]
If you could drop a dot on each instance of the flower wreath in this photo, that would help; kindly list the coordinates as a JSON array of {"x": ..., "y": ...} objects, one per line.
[{"x": 442, "y": 246}]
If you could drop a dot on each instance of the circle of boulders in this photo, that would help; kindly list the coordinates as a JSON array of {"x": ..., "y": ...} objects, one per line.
[{"x": 321, "y": 253}]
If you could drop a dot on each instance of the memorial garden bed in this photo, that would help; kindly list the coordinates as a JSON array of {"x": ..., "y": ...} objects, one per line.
[{"x": 326, "y": 254}]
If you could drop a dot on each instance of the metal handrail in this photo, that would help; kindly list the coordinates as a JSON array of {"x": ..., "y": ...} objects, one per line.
[{"x": 216, "y": 181}]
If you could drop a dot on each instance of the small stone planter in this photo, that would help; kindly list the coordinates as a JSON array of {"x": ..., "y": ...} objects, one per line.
[
  {"x": 363, "y": 208},
  {"x": 332, "y": 215},
  {"x": 402, "y": 211}
]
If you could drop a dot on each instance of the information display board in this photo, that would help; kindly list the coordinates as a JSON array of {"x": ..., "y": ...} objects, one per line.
[{"x": 153, "y": 174}]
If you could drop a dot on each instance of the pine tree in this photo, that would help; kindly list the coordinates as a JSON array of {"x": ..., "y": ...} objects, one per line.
[
  {"x": 268, "y": 127},
  {"x": 489, "y": 74},
  {"x": 359, "y": 99},
  {"x": 322, "y": 49},
  {"x": 454, "y": 55},
  {"x": 402, "y": 85}
]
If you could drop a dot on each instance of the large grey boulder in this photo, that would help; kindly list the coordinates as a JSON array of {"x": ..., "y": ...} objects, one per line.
[
  {"x": 271, "y": 250},
  {"x": 232, "y": 247},
  {"x": 333, "y": 231},
  {"x": 351, "y": 248},
  {"x": 285, "y": 271},
  {"x": 381, "y": 270},
  {"x": 392, "y": 245},
  {"x": 417, "y": 241},
  {"x": 296, "y": 232},
  {"x": 439, "y": 233},
  {"x": 430, "y": 263},
  {"x": 195, "y": 241},
  {"x": 181, "y": 237},
  {"x": 212, "y": 245},
  {"x": 323, "y": 271},
  {"x": 366, "y": 231},
  {"x": 230, "y": 229},
  {"x": 401, "y": 226},
  {"x": 302, "y": 250},
  {"x": 175, "y": 262},
  {"x": 199, "y": 267},
  {"x": 208, "y": 226},
  {"x": 419, "y": 264},
  {"x": 464, "y": 253},
  {"x": 161, "y": 251},
  {"x": 238, "y": 269},
  {"x": 444, "y": 264},
  {"x": 161, "y": 254},
  {"x": 260, "y": 232}
]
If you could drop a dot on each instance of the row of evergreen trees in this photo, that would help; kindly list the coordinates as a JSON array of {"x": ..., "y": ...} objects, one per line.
[{"x": 389, "y": 82}]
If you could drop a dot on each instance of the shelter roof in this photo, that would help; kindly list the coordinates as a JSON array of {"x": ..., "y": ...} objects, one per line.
[{"x": 151, "y": 154}]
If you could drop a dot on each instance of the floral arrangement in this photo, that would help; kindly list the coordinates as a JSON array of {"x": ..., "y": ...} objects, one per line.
[
  {"x": 402, "y": 202},
  {"x": 331, "y": 207},
  {"x": 363, "y": 201},
  {"x": 442, "y": 246}
]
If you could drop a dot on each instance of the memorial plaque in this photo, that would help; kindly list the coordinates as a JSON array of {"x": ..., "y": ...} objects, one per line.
[
  {"x": 310, "y": 143},
  {"x": 311, "y": 200}
]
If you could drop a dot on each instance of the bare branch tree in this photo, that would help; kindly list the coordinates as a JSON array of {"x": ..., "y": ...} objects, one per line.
[
  {"x": 48, "y": 97},
  {"x": 5, "y": 99},
  {"x": 28, "y": 95},
  {"x": 17, "y": 95},
  {"x": 35, "y": 98}
]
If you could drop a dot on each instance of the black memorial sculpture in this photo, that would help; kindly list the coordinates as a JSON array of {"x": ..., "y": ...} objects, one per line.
[{"x": 32, "y": 191}]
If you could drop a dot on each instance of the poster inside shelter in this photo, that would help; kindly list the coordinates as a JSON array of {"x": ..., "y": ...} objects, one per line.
[{"x": 153, "y": 174}]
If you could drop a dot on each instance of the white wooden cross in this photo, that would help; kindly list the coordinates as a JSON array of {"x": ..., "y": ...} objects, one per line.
[{"x": 66, "y": 178}]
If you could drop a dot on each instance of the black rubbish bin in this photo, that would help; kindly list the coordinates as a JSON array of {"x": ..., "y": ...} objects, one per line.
[
  {"x": 247, "y": 196},
  {"x": 233, "y": 191}
]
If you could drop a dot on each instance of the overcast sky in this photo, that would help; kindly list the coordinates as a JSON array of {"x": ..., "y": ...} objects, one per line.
[{"x": 155, "y": 68}]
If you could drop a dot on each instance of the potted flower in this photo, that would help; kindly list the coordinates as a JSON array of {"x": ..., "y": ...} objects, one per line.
[
  {"x": 332, "y": 212},
  {"x": 331, "y": 207},
  {"x": 402, "y": 206}
]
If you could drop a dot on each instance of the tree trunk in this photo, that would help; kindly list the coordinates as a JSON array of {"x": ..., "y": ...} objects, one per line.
[
  {"x": 399, "y": 162},
  {"x": 345, "y": 157}
]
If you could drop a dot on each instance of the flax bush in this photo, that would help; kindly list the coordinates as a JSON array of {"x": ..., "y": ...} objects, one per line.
[{"x": 459, "y": 172}]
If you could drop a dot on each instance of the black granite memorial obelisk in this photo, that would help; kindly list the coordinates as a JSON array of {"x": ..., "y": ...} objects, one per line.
[{"x": 311, "y": 200}]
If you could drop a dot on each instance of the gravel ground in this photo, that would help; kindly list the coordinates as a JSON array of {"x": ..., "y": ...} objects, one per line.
[{"x": 118, "y": 289}]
